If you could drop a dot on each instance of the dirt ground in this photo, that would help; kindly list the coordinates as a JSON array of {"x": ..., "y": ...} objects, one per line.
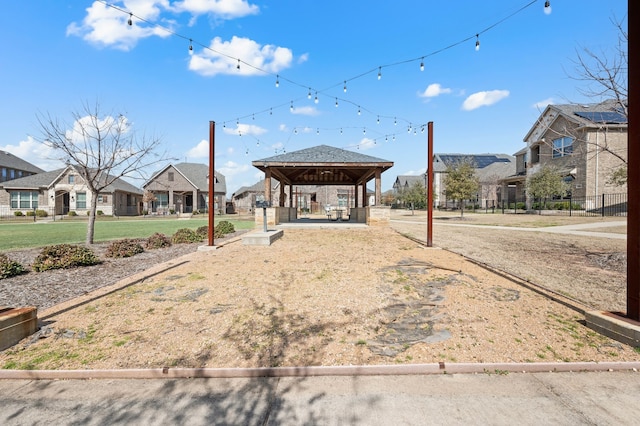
[{"x": 343, "y": 297}]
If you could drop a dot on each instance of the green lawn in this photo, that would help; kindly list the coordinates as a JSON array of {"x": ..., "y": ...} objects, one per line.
[{"x": 39, "y": 234}]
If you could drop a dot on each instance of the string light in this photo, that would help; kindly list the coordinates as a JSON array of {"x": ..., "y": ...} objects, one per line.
[
  {"x": 190, "y": 46},
  {"x": 547, "y": 7},
  {"x": 359, "y": 113},
  {"x": 291, "y": 107},
  {"x": 422, "y": 64},
  {"x": 379, "y": 73},
  {"x": 316, "y": 99},
  {"x": 130, "y": 20},
  {"x": 238, "y": 66},
  {"x": 345, "y": 86},
  {"x": 477, "y": 42},
  {"x": 378, "y": 120},
  {"x": 336, "y": 102},
  {"x": 309, "y": 93},
  {"x": 277, "y": 80}
]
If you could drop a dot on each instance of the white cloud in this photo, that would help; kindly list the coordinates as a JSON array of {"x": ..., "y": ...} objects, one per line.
[
  {"x": 232, "y": 171},
  {"x": 283, "y": 128},
  {"x": 543, "y": 103},
  {"x": 226, "y": 9},
  {"x": 201, "y": 150},
  {"x": 366, "y": 143},
  {"x": 486, "y": 98},
  {"x": 106, "y": 26},
  {"x": 245, "y": 129},
  {"x": 434, "y": 90},
  {"x": 35, "y": 153},
  {"x": 254, "y": 57},
  {"x": 306, "y": 110}
]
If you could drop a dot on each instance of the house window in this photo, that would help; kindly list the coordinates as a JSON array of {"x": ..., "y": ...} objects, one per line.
[
  {"x": 342, "y": 200},
  {"x": 81, "y": 200},
  {"x": 562, "y": 147},
  {"x": 24, "y": 200},
  {"x": 535, "y": 154},
  {"x": 12, "y": 173},
  {"x": 72, "y": 179},
  {"x": 4, "y": 174},
  {"x": 162, "y": 200},
  {"x": 170, "y": 176},
  {"x": 103, "y": 199}
]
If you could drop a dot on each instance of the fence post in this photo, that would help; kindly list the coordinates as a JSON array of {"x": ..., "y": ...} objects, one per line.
[
  {"x": 570, "y": 204},
  {"x": 602, "y": 205}
]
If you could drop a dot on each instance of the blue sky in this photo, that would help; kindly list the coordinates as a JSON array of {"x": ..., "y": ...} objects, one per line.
[{"x": 57, "y": 55}]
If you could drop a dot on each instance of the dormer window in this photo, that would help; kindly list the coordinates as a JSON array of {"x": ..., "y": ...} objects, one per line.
[{"x": 72, "y": 179}]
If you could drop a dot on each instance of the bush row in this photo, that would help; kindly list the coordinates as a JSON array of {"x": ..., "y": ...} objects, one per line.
[{"x": 64, "y": 256}]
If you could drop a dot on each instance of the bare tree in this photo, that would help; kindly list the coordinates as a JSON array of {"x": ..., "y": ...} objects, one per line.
[{"x": 103, "y": 148}]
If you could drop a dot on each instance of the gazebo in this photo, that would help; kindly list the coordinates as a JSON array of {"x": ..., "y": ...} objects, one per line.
[{"x": 324, "y": 165}]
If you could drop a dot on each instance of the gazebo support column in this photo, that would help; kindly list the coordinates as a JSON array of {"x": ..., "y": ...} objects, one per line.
[{"x": 378, "y": 199}]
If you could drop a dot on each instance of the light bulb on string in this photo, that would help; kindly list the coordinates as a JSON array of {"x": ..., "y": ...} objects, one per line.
[
  {"x": 422, "y": 64},
  {"x": 277, "y": 80},
  {"x": 379, "y": 73},
  {"x": 238, "y": 66},
  {"x": 477, "y": 42},
  {"x": 270, "y": 111},
  {"x": 378, "y": 120},
  {"x": 547, "y": 7},
  {"x": 364, "y": 130},
  {"x": 190, "y": 46},
  {"x": 318, "y": 131},
  {"x": 345, "y": 86},
  {"x": 395, "y": 121},
  {"x": 336, "y": 102},
  {"x": 341, "y": 130},
  {"x": 316, "y": 98},
  {"x": 130, "y": 20},
  {"x": 291, "y": 107},
  {"x": 359, "y": 113},
  {"x": 309, "y": 93}
]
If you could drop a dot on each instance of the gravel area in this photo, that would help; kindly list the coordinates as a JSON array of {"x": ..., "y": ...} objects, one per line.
[{"x": 318, "y": 297}]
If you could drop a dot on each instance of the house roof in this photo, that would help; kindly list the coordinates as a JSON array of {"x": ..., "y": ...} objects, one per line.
[
  {"x": 10, "y": 161},
  {"x": 196, "y": 174},
  {"x": 256, "y": 187},
  {"x": 48, "y": 179},
  {"x": 586, "y": 115},
  {"x": 323, "y": 165},
  {"x": 407, "y": 181},
  {"x": 487, "y": 165}
]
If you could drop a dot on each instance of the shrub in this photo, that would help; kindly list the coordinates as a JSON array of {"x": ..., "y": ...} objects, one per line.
[
  {"x": 124, "y": 248},
  {"x": 9, "y": 268},
  {"x": 225, "y": 227},
  {"x": 18, "y": 214},
  {"x": 203, "y": 231},
  {"x": 100, "y": 213},
  {"x": 64, "y": 256},
  {"x": 41, "y": 213},
  {"x": 157, "y": 241},
  {"x": 186, "y": 235},
  {"x": 72, "y": 213},
  {"x": 30, "y": 213}
]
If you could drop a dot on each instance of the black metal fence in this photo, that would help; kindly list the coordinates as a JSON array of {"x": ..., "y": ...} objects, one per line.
[{"x": 594, "y": 205}]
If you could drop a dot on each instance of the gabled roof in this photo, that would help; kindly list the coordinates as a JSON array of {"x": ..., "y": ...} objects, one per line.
[
  {"x": 407, "y": 181},
  {"x": 48, "y": 179},
  {"x": 487, "y": 165},
  {"x": 256, "y": 187},
  {"x": 197, "y": 174},
  {"x": 10, "y": 161},
  {"x": 588, "y": 115}
]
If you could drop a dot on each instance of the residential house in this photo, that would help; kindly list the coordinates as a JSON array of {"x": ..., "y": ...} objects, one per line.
[
  {"x": 490, "y": 169},
  {"x": 244, "y": 199},
  {"x": 12, "y": 167},
  {"x": 184, "y": 188},
  {"x": 584, "y": 143},
  {"x": 61, "y": 191}
]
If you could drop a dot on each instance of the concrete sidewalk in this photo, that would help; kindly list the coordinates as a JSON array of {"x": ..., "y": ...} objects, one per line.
[{"x": 496, "y": 398}]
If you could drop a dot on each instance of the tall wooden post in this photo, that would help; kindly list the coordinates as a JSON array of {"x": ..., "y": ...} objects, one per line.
[
  {"x": 430, "y": 184},
  {"x": 212, "y": 182},
  {"x": 633, "y": 171}
]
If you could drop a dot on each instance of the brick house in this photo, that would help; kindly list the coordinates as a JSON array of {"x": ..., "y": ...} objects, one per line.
[
  {"x": 585, "y": 143},
  {"x": 61, "y": 191},
  {"x": 184, "y": 188},
  {"x": 12, "y": 167}
]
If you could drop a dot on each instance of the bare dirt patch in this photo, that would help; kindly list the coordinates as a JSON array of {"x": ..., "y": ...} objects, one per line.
[{"x": 315, "y": 297}]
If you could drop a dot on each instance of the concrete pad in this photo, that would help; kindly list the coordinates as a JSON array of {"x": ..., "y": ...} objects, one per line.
[
  {"x": 261, "y": 238},
  {"x": 614, "y": 326},
  {"x": 207, "y": 248}
]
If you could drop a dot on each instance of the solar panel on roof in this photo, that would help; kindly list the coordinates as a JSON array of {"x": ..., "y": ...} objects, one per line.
[{"x": 607, "y": 117}]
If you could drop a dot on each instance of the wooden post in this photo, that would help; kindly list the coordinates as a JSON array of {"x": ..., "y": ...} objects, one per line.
[
  {"x": 212, "y": 182},
  {"x": 633, "y": 172},
  {"x": 430, "y": 184}
]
